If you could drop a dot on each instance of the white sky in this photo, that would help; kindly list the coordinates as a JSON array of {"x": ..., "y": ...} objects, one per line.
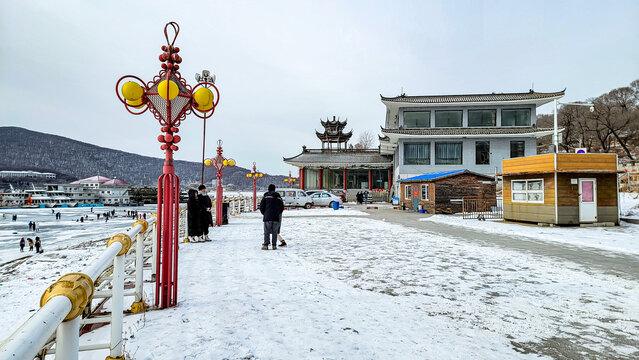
[{"x": 283, "y": 65}]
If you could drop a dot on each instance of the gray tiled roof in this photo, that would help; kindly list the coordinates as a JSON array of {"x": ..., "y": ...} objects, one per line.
[
  {"x": 472, "y": 98},
  {"x": 359, "y": 158},
  {"x": 468, "y": 131}
]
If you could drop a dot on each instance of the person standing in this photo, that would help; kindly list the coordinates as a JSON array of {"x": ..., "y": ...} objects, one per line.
[
  {"x": 30, "y": 244},
  {"x": 271, "y": 208},
  {"x": 193, "y": 216},
  {"x": 206, "y": 218},
  {"x": 22, "y": 243},
  {"x": 38, "y": 245}
]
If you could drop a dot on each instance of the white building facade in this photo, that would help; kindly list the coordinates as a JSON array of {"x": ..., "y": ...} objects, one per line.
[{"x": 451, "y": 132}]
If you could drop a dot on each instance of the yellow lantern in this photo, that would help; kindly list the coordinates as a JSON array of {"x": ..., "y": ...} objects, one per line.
[
  {"x": 204, "y": 99},
  {"x": 132, "y": 91},
  {"x": 248, "y": 175},
  {"x": 207, "y": 162},
  {"x": 225, "y": 162},
  {"x": 173, "y": 89},
  {"x": 231, "y": 162}
]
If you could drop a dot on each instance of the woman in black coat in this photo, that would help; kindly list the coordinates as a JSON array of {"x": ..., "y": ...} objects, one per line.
[
  {"x": 206, "y": 218},
  {"x": 193, "y": 215}
]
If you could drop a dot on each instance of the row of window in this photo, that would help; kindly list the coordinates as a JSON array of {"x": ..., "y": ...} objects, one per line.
[
  {"x": 450, "y": 153},
  {"x": 423, "y": 195},
  {"x": 453, "y": 118}
]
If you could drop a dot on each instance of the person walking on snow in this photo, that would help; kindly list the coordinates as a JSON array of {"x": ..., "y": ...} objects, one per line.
[
  {"x": 38, "y": 245},
  {"x": 271, "y": 208},
  {"x": 22, "y": 243},
  {"x": 30, "y": 244}
]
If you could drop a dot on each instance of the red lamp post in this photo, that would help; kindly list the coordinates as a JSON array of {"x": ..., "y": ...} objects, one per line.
[
  {"x": 255, "y": 175},
  {"x": 169, "y": 98},
  {"x": 219, "y": 162},
  {"x": 290, "y": 180}
]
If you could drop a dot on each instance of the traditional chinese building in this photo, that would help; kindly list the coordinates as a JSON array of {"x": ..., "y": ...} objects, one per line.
[{"x": 336, "y": 166}]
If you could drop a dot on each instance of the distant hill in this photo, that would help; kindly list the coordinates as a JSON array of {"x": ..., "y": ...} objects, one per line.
[{"x": 24, "y": 149}]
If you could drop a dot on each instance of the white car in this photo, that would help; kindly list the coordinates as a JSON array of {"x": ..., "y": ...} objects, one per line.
[
  {"x": 295, "y": 197},
  {"x": 324, "y": 198}
]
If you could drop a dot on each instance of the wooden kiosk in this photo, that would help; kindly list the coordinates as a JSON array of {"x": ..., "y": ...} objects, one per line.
[{"x": 561, "y": 189}]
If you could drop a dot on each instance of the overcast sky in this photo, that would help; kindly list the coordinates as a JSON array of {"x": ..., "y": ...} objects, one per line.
[{"x": 283, "y": 65}]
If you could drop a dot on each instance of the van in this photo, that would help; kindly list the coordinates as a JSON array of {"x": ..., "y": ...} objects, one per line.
[{"x": 295, "y": 197}]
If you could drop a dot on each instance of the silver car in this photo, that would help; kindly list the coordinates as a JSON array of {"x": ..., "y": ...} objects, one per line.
[{"x": 324, "y": 198}]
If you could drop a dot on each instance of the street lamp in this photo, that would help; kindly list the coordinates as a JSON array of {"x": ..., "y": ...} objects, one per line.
[
  {"x": 219, "y": 162},
  {"x": 169, "y": 98},
  {"x": 290, "y": 180},
  {"x": 555, "y": 135},
  {"x": 206, "y": 78},
  {"x": 255, "y": 175}
]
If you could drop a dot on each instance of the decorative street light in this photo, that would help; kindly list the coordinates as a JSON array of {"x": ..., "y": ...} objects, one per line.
[
  {"x": 290, "y": 180},
  {"x": 219, "y": 162},
  {"x": 205, "y": 78},
  {"x": 169, "y": 98},
  {"x": 255, "y": 175}
]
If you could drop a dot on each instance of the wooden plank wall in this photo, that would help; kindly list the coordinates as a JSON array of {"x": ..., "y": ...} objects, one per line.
[
  {"x": 586, "y": 162},
  {"x": 538, "y": 163}
]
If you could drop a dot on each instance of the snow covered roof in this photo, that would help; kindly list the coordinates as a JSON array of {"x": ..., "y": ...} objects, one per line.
[
  {"x": 98, "y": 178},
  {"x": 115, "y": 182},
  {"x": 441, "y": 174}
]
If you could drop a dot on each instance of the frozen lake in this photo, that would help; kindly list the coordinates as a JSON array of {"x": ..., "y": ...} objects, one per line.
[{"x": 63, "y": 233}]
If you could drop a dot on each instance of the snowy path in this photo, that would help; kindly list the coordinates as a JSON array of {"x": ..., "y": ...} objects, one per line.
[
  {"x": 353, "y": 285},
  {"x": 383, "y": 291}
]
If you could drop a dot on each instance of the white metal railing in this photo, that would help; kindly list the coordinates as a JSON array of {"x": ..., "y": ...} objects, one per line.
[{"x": 65, "y": 300}]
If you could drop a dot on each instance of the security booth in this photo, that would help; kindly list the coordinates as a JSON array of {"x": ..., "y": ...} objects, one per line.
[
  {"x": 561, "y": 189},
  {"x": 443, "y": 191}
]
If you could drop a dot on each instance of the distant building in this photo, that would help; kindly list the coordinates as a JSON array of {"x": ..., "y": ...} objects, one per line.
[
  {"x": 436, "y": 133},
  {"x": 107, "y": 191},
  {"x": 335, "y": 166},
  {"x": 26, "y": 174}
]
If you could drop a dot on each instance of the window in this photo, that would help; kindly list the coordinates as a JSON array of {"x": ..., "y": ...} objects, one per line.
[
  {"x": 448, "y": 118},
  {"x": 482, "y": 152},
  {"x": 517, "y": 148},
  {"x": 448, "y": 153},
  {"x": 416, "y": 119},
  {"x": 406, "y": 192},
  {"x": 531, "y": 191},
  {"x": 325, "y": 195},
  {"x": 515, "y": 117},
  {"x": 482, "y": 117},
  {"x": 417, "y": 154},
  {"x": 424, "y": 191},
  {"x": 290, "y": 194}
]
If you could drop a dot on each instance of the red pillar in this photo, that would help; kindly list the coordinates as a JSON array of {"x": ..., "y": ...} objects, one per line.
[
  {"x": 320, "y": 179},
  {"x": 344, "y": 179},
  {"x": 370, "y": 177},
  {"x": 390, "y": 180}
]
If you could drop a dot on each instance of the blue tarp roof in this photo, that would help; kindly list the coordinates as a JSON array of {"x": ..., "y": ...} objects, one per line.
[{"x": 434, "y": 175}]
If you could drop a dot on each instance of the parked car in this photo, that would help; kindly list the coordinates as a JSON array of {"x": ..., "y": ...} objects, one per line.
[
  {"x": 340, "y": 193},
  {"x": 311, "y": 192},
  {"x": 324, "y": 198},
  {"x": 295, "y": 197}
]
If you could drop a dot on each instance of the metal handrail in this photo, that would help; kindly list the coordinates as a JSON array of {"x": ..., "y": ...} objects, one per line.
[{"x": 65, "y": 300}]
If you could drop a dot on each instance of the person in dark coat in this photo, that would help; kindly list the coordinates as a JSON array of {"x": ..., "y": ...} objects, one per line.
[
  {"x": 193, "y": 216},
  {"x": 22, "y": 244},
  {"x": 206, "y": 218},
  {"x": 38, "y": 245},
  {"x": 271, "y": 208}
]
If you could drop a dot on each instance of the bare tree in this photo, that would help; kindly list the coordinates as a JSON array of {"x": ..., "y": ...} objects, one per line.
[{"x": 365, "y": 141}]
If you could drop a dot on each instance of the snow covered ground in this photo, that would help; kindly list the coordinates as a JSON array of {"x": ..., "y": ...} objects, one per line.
[
  {"x": 352, "y": 287},
  {"x": 624, "y": 238},
  {"x": 629, "y": 204}
]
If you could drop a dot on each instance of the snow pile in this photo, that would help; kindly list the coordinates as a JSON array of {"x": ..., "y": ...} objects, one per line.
[{"x": 629, "y": 204}]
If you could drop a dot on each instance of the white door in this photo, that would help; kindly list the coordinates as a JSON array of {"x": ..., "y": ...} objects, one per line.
[{"x": 587, "y": 200}]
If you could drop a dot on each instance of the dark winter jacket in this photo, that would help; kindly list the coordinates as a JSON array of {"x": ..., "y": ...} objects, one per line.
[
  {"x": 271, "y": 206},
  {"x": 193, "y": 214},
  {"x": 206, "y": 218}
]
